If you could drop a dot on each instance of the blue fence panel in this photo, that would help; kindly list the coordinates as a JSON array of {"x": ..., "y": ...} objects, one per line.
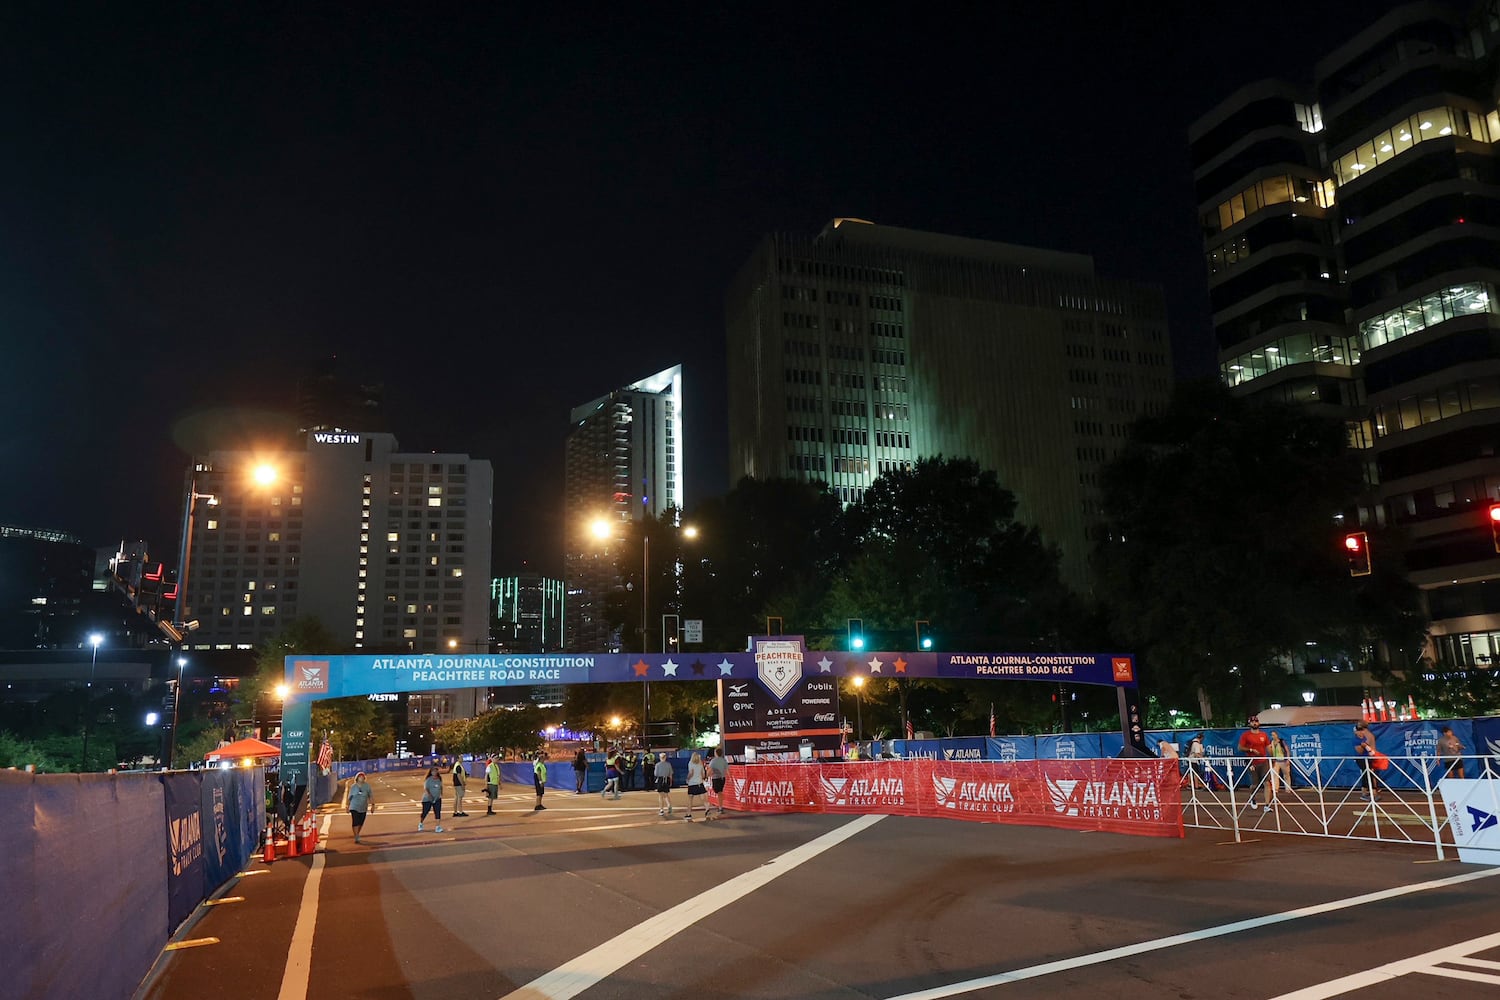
[
  {"x": 1068, "y": 746},
  {"x": 183, "y": 796},
  {"x": 1010, "y": 748},
  {"x": 219, "y": 807}
]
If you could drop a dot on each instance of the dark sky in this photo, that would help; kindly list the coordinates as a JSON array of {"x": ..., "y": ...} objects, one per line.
[{"x": 503, "y": 212}]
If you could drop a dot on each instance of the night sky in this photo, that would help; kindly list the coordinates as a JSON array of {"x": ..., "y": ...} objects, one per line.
[{"x": 501, "y": 212}]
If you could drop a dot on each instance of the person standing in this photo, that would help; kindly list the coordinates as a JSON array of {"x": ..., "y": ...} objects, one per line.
[
  {"x": 627, "y": 771},
  {"x": 1253, "y": 745},
  {"x": 611, "y": 774},
  {"x": 539, "y": 778},
  {"x": 580, "y": 770},
  {"x": 718, "y": 770},
  {"x": 358, "y": 800},
  {"x": 1450, "y": 754},
  {"x": 1198, "y": 760},
  {"x": 1281, "y": 765},
  {"x": 1364, "y": 749},
  {"x": 492, "y": 785},
  {"x": 432, "y": 799},
  {"x": 662, "y": 774},
  {"x": 460, "y": 786},
  {"x": 695, "y": 787}
]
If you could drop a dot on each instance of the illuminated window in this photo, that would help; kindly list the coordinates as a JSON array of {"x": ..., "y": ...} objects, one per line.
[
  {"x": 269, "y": 609},
  {"x": 213, "y": 525},
  {"x": 457, "y": 571},
  {"x": 434, "y": 490},
  {"x": 273, "y": 536},
  {"x": 250, "y": 585},
  {"x": 411, "y": 609},
  {"x": 408, "y": 633},
  {"x": 249, "y": 611},
  {"x": 393, "y": 536},
  {"x": 434, "y": 501}
]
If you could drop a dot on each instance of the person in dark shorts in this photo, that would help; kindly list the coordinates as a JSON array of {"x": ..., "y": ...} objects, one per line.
[
  {"x": 662, "y": 776},
  {"x": 718, "y": 772},
  {"x": 580, "y": 770},
  {"x": 539, "y": 779},
  {"x": 358, "y": 800}
]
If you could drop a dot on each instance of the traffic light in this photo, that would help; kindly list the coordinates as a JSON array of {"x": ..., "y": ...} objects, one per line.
[
  {"x": 856, "y": 633},
  {"x": 924, "y": 634},
  {"x": 1357, "y": 551},
  {"x": 1495, "y": 525}
]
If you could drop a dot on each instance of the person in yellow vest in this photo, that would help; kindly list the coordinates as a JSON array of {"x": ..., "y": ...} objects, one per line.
[
  {"x": 539, "y": 778},
  {"x": 854, "y": 751}
]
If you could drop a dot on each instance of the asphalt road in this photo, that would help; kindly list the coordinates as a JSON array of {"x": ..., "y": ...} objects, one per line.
[{"x": 608, "y": 900}]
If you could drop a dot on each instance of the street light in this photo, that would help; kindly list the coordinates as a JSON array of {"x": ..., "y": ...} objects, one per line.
[
  {"x": 88, "y": 702},
  {"x": 176, "y": 701},
  {"x": 859, "y": 709}
]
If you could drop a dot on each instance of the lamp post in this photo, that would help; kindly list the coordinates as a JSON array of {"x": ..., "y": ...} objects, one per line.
[
  {"x": 88, "y": 702},
  {"x": 176, "y": 701},
  {"x": 859, "y": 709}
]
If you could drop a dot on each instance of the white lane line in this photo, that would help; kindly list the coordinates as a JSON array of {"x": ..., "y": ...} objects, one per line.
[
  {"x": 573, "y": 978},
  {"x": 1127, "y": 951},
  {"x": 299, "y": 955},
  {"x": 1455, "y": 954}
]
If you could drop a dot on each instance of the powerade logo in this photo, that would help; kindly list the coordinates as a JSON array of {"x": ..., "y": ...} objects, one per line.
[
  {"x": 971, "y": 753},
  {"x": 862, "y": 792},
  {"x": 310, "y": 676},
  {"x": 1105, "y": 799},
  {"x": 992, "y": 797},
  {"x": 771, "y": 793},
  {"x": 185, "y": 841}
]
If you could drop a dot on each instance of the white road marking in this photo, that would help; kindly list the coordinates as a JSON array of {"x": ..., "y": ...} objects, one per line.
[
  {"x": 299, "y": 955},
  {"x": 1455, "y": 954},
  {"x": 1127, "y": 951},
  {"x": 592, "y": 966}
]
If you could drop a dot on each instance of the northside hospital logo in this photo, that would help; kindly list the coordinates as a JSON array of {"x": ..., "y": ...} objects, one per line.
[{"x": 310, "y": 676}]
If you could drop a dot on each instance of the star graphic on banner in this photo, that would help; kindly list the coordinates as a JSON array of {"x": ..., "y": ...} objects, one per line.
[
  {"x": 825, "y": 665},
  {"x": 669, "y": 669},
  {"x": 640, "y": 668},
  {"x": 875, "y": 664},
  {"x": 698, "y": 667},
  {"x": 900, "y": 665},
  {"x": 726, "y": 669}
]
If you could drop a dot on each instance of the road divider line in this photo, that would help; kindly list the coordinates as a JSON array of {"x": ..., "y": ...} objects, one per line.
[
  {"x": 1131, "y": 950},
  {"x": 1456, "y": 954},
  {"x": 591, "y": 967},
  {"x": 298, "y": 970}
]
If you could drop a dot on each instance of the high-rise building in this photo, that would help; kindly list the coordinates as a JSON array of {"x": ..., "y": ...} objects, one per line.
[
  {"x": 387, "y": 550},
  {"x": 623, "y": 463},
  {"x": 528, "y": 618},
  {"x": 856, "y": 351},
  {"x": 1352, "y": 232}
]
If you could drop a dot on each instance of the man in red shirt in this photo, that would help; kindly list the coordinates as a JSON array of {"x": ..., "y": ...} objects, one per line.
[{"x": 1253, "y": 744}]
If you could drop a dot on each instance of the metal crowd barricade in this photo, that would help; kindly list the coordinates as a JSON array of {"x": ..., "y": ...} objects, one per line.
[{"x": 1325, "y": 797}]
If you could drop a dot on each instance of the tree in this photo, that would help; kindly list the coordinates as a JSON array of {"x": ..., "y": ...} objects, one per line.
[
  {"x": 1223, "y": 550},
  {"x": 358, "y": 728},
  {"x": 301, "y": 635}
]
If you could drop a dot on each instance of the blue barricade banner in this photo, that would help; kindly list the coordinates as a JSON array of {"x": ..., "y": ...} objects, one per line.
[
  {"x": 1010, "y": 748},
  {"x": 1111, "y": 744},
  {"x": 1486, "y": 736},
  {"x": 1068, "y": 746},
  {"x": 184, "y": 822}
]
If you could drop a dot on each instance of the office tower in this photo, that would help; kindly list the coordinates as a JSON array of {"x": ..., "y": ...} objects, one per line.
[
  {"x": 1350, "y": 227},
  {"x": 47, "y": 583},
  {"x": 387, "y": 550},
  {"x": 528, "y": 618},
  {"x": 861, "y": 349},
  {"x": 623, "y": 464}
]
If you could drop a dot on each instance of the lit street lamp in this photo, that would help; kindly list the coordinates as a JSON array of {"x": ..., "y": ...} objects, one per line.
[
  {"x": 859, "y": 706},
  {"x": 176, "y": 701},
  {"x": 88, "y": 702}
]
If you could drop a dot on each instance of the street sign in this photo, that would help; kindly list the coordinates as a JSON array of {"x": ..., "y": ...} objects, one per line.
[{"x": 692, "y": 630}]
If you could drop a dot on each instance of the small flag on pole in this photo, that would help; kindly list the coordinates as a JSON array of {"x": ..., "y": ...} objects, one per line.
[
  {"x": 325, "y": 755},
  {"x": 992, "y": 718},
  {"x": 911, "y": 733}
]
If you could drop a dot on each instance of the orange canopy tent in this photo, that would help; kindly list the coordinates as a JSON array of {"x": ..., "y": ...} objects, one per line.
[{"x": 243, "y": 748}]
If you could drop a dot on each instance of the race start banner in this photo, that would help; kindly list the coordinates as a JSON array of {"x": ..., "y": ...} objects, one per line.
[{"x": 1124, "y": 795}]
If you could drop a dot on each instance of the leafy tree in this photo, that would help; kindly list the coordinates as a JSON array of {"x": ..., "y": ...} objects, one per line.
[
  {"x": 301, "y": 635},
  {"x": 518, "y": 731},
  {"x": 1223, "y": 553},
  {"x": 358, "y": 728},
  {"x": 19, "y": 753},
  {"x": 1458, "y": 694}
]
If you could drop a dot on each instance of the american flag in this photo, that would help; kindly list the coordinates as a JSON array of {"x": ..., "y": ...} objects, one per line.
[
  {"x": 992, "y": 718},
  {"x": 325, "y": 755},
  {"x": 911, "y": 732}
]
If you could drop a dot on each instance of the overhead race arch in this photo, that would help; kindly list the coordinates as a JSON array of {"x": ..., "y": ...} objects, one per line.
[{"x": 776, "y": 664}]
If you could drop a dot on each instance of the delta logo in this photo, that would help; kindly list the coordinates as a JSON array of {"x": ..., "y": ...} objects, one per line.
[
  {"x": 779, "y": 793},
  {"x": 992, "y": 797},
  {"x": 1105, "y": 799},
  {"x": 310, "y": 676},
  {"x": 863, "y": 792}
]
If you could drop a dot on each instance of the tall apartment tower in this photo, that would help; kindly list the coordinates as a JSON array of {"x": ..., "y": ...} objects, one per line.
[
  {"x": 856, "y": 351},
  {"x": 389, "y": 551},
  {"x": 1352, "y": 234},
  {"x": 623, "y": 463}
]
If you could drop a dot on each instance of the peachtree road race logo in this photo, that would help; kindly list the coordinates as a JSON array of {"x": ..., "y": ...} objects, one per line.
[
  {"x": 775, "y": 793},
  {"x": 311, "y": 676},
  {"x": 864, "y": 791},
  {"x": 186, "y": 841},
  {"x": 1067, "y": 750},
  {"x": 778, "y": 663},
  {"x": 1105, "y": 799},
  {"x": 1008, "y": 752},
  {"x": 1420, "y": 743},
  {"x": 974, "y": 796}
]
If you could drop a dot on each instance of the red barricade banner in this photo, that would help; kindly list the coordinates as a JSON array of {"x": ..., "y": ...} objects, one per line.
[{"x": 1136, "y": 796}]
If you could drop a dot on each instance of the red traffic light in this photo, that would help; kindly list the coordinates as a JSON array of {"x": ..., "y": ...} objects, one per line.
[
  {"x": 1495, "y": 525},
  {"x": 1357, "y": 551}
]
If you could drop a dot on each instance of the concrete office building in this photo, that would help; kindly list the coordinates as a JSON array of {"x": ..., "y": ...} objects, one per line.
[
  {"x": 1352, "y": 233},
  {"x": 389, "y": 551},
  {"x": 856, "y": 351},
  {"x": 623, "y": 464}
]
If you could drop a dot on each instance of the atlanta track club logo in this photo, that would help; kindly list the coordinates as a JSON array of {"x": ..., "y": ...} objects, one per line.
[
  {"x": 863, "y": 792},
  {"x": 310, "y": 676},
  {"x": 1061, "y": 792},
  {"x": 973, "y": 796},
  {"x": 1105, "y": 799},
  {"x": 739, "y": 788}
]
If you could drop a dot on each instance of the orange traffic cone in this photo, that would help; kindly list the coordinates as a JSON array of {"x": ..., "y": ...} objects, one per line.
[
  {"x": 269, "y": 853},
  {"x": 1366, "y": 711},
  {"x": 309, "y": 834},
  {"x": 291, "y": 841},
  {"x": 1411, "y": 705},
  {"x": 1385, "y": 710}
]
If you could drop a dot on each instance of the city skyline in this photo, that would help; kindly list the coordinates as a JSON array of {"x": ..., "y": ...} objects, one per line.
[{"x": 498, "y": 214}]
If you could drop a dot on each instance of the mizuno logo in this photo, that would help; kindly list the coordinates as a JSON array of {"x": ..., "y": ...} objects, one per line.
[{"x": 739, "y": 690}]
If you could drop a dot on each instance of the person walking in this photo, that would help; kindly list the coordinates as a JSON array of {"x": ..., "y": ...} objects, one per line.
[
  {"x": 492, "y": 785},
  {"x": 695, "y": 787},
  {"x": 460, "y": 786},
  {"x": 432, "y": 799},
  {"x": 1281, "y": 765},
  {"x": 358, "y": 800},
  {"x": 611, "y": 774},
  {"x": 718, "y": 772},
  {"x": 1198, "y": 761},
  {"x": 580, "y": 770},
  {"x": 539, "y": 778},
  {"x": 1253, "y": 746},
  {"x": 662, "y": 776},
  {"x": 1369, "y": 757},
  {"x": 1450, "y": 755}
]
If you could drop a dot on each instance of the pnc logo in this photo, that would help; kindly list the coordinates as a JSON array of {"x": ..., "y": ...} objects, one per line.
[{"x": 311, "y": 676}]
